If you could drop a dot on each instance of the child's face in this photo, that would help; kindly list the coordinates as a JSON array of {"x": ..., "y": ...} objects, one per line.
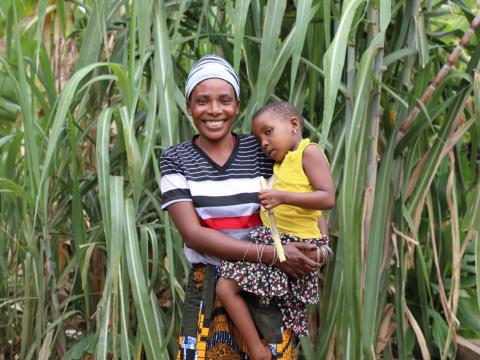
[{"x": 276, "y": 136}]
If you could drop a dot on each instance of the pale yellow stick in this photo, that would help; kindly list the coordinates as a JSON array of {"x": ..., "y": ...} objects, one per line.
[{"x": 273, "y": 226}]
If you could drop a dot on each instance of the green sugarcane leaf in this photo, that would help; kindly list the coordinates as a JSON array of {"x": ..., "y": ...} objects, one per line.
[
  {"x": 422, "y": 41},
  {"x": 102, "y": 342},
  {"x": 385, "y": 14},
  {"x": 150, "y": 131},
  {"x": 164, "y": 78},
  {"x": 134, "y": 156},
  {"x": 149, "y": 331},
  {"x": 268, "y": 54},
  {"x": 143, "y": 27},
  {"x": 476, "y": 94},
  {"x": 95, "y": 32},
  {"x": 103, "y": 167},
  {"x": 241, "y": 13},
  {"x": 333, "y": 62},
  {"x": 433, "y": 159},
  {"x": 397, "y": 55},
  {"x": 304, "y": 14},
  {"x": 60, "y": 116},
  {"x": 471, "y": 221},
  {"x": 9, "y": 187},
  {"x": 477, "y": 264}
]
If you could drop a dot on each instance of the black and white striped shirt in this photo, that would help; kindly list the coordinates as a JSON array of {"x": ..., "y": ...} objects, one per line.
[{"x": 225, "y": 197}]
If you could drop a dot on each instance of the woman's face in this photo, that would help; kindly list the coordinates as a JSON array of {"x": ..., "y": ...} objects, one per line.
[{"x": 213, "y": 107}]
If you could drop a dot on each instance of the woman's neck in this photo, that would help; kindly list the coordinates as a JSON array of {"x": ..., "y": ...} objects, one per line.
[
  {"x": 218, "y": 150},
  {"x": 215, "y": 144}
]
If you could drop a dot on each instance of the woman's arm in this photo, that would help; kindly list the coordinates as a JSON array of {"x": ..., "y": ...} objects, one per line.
[
  {"x": 322, "y": 225},
  {"x": 318, "y": 172},
  {"x": 215, "y": 243}
]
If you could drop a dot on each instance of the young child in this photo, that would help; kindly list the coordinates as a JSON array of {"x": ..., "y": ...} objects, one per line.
[{"x": 302, "y": 186}]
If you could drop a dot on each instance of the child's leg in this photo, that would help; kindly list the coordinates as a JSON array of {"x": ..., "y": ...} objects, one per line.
[{"x": 229, "y": 293}]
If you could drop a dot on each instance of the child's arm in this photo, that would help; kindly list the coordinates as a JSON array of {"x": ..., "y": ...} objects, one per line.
[{"x": 318, "y": 172}]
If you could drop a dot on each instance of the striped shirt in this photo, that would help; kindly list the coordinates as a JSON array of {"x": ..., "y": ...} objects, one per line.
[{"x": 224, "y": 197}]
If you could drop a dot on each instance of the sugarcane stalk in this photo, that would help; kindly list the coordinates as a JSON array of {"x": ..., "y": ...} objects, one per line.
[
  {"x": 427, "y": 94},
  {"x": 273, "y": 225}
]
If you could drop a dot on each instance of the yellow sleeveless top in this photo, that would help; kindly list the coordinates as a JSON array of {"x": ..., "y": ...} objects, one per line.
[{"x": 290, "y": 176}]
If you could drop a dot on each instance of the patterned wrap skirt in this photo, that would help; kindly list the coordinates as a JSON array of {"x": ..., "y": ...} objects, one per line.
[
  {"x": 207, "y": 332},
  {"x": 271, "y": 284}
]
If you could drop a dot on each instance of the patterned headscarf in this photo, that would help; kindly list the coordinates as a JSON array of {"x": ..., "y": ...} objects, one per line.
[{"x": 211, "y": 66}]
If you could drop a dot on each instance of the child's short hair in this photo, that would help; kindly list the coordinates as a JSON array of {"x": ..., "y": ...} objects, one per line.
[{"x": 283, "y": 109}]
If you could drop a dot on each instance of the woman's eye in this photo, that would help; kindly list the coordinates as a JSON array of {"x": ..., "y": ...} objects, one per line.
[{"x": 226, "y": 101}]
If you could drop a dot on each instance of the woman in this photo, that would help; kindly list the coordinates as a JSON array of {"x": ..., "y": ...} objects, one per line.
[{"x": 210, "y": 188}]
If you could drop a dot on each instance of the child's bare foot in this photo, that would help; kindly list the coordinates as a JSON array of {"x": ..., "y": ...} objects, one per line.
[{"x": 260, "y": 353}]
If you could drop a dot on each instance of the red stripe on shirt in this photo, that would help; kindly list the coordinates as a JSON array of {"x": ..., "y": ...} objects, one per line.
[{"x": 232, "y": 223}]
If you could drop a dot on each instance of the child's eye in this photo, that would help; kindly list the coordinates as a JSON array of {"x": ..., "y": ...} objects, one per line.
[{"x": 268, "y": 131}]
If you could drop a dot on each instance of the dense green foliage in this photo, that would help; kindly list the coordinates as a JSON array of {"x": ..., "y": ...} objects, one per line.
[{"x": 90, "y": 94}]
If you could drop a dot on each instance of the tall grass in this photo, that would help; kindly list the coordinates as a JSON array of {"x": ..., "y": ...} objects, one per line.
[{"x": 91, "y": 93}]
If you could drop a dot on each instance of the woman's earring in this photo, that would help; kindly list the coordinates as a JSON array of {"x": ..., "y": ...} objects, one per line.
[{"x": 294, "y": 131}]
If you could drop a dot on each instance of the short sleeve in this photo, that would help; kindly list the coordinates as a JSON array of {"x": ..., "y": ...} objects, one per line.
[{"x": 173, "y": 185}]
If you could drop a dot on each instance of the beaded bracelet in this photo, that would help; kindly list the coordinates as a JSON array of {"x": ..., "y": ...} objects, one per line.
[
  {"x": 326, "y": 254},
  {"x": 317, "y": 252},
  {"x": 246, "y": 251},
  {"x": 261, "y": 254},
  {"x": 275, "y": 257}
]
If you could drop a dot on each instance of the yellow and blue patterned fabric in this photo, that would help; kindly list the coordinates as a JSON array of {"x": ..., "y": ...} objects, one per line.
[{"x": 207, "y": 333}]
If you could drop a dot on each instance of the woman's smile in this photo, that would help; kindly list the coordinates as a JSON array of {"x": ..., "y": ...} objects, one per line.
[{"x": 215, "y": 124}]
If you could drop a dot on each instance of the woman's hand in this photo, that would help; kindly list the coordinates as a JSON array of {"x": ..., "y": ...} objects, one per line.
[{"x": 299, "y": 259}]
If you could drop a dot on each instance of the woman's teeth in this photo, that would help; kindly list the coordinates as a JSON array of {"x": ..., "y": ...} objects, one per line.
[{"x": 217, "y": 124}]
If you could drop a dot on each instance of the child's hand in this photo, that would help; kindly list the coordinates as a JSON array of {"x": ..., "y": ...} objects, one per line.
[{"x": 270, "y": 198}]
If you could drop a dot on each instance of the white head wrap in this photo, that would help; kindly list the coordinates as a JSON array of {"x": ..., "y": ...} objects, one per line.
[{"x": 211, "y": 66}]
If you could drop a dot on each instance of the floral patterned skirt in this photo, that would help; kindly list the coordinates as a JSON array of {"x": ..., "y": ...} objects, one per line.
[{"x": 270, "y": 283}]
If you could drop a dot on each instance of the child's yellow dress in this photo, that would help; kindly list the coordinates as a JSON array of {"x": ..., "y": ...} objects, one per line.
[{"x": 295, "y": 224}]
